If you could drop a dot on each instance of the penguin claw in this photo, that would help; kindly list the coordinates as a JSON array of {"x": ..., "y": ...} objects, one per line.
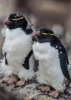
[
  {"x": 44, "y": 88},
  {"x": 20, "y": 83},
  {"x": 54, "y": 93},
  {"x": 10, "y": 80}
]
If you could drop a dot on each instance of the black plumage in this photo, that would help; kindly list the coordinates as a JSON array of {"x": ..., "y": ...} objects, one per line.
[
  {"x": 26, "y": 62},
  {"x": 6, "y": 62},
  {"x": 63, "y": 63}
]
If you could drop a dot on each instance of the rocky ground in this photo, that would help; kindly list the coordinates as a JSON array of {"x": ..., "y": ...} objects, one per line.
[{"x": 31, "y": 90}]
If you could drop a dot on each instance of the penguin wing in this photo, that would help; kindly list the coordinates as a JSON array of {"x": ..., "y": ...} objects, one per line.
[
  {"x": 26, "y": 62},
  {"x": 6, "y": 62},
  {"x": 63, "y": 63}
]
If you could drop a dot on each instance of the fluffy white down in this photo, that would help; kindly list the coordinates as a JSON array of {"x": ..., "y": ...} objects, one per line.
[
  {"x": 17, "y": 45},
  {"x": 49, "y": 66}
]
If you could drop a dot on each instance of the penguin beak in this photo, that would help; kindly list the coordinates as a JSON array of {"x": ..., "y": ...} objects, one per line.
[
  {"x": 6, "y": 22},
  {"x": 36, "y": 34}
]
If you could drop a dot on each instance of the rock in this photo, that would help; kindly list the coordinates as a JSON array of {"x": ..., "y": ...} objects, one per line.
[
  {"x": 43, "y": 97},
  {"x": 9, "y": 88},
  {"x": 30, "y": 92}
]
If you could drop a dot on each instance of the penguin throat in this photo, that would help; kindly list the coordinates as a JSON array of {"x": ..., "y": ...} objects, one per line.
[{"x": 44, "y": 39}]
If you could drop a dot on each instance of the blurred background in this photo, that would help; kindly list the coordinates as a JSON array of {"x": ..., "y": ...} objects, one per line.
[{"x": 52, "y": 14}]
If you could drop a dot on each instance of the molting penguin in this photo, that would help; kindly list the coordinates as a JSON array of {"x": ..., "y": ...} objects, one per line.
[
  {"x": 17, "y": 48},
  {"x": 53, "y": 60}
]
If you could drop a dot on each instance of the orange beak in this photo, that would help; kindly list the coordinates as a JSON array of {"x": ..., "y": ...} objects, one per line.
[
  {"x": 5, "y": 22},
  {"x": 36, "y": 34}
]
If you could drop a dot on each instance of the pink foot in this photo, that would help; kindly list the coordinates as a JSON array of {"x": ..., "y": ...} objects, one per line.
[
  {"x": 10, "y": 79},
  {"x": 21, "y": 82},
  {"x": 54, "y": 93},
  {"x": 44, "y": 88}
]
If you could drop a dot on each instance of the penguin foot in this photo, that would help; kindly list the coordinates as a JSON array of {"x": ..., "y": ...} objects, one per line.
[
  {"x": 21, "y": 82},
  {"x": 54, "y": 93},
  {"x": 10, "y": 80},
  {"x": 44, "y": 88}
]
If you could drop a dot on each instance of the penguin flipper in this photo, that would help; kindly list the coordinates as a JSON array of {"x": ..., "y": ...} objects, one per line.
[
  {"x": 63, "y": 63},
  {"x": 26, "y": 62},
  {"x": 6, "y": 62}
]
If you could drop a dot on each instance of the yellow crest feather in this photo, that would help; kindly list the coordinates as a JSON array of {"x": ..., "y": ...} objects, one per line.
[
  {"x": 17, "y": 18},
  {"x": 47, "y": 34}
]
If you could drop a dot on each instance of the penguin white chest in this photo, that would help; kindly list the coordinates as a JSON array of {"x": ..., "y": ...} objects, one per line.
[{"x": 49, "y": 63}]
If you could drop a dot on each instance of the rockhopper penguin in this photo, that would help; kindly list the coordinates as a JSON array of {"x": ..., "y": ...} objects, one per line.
[
  {"x": 53, "y": 60},
  {"x": 17, "y": 48}
]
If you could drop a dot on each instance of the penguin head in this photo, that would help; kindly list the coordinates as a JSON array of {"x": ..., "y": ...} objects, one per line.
[
  {"x": 44, "y": 32},
  {"x": 15, "y": 21},
  {"x": 43, "y": 35}
]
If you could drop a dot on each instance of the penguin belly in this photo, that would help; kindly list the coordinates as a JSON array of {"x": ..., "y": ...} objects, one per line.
[{"x": 17, "y": 56}]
